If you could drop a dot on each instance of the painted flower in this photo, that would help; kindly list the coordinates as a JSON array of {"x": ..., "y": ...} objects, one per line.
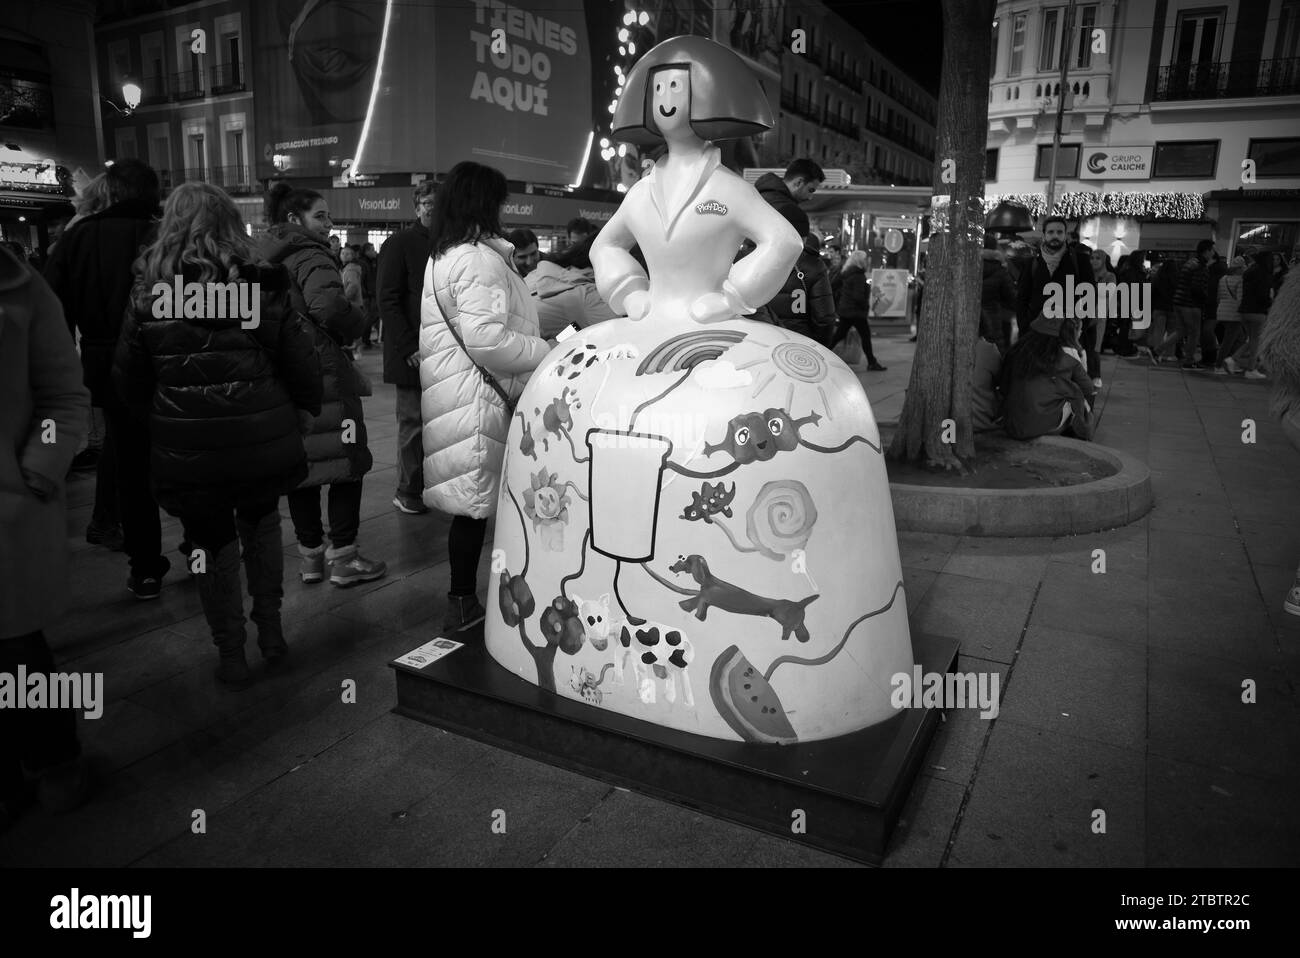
[
  {"x": 562, "y": 626},
  {"x": 517, "y": 602},
  {"x": 547, "y": 503}
]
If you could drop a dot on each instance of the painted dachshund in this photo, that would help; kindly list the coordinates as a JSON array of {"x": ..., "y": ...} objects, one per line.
[{"x": 732, "y": 598}]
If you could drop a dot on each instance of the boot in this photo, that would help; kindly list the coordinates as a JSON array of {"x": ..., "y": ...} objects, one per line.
[
  {"x": 223, "y": 605},
  {"x": 463, "y": 612},
  {"x": 264, "y": 567},
  {"x": 349, "y": 567},
  {"x": 313, "y": 563}
]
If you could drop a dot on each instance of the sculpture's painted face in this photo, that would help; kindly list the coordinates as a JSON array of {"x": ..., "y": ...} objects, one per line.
[{"x": 670, "y": 100}]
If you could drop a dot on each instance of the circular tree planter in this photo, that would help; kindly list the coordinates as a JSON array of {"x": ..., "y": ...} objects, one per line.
[{"x": 1120, "y": 493}]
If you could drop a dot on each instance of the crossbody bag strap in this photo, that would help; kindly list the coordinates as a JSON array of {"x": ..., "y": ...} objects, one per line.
[{"x": 487, "y": 376}]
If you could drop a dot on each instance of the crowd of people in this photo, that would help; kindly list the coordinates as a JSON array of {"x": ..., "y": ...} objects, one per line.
[
  {"x": 213, "y": 418},
  {"x": 1204, "y": 315}
]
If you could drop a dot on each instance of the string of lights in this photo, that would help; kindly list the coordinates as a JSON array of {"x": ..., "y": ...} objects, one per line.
[{"x": 1144, "y": 204}]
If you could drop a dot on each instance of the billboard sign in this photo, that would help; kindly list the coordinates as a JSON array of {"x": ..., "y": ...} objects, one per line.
[
  {"x": 397, "y": 87},
  {"x": 1116, "y": 163}
]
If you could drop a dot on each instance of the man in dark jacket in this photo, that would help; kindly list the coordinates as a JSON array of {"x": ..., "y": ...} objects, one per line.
[
  {"x": 805, "y": 304},
  {"x": 833, "y": 253},
  {"x": 400, "y": 281},
  {"x": 802, "y": 178},
  {"x": 1163, "y": 336},
  {"x": 1190, "y": 301},
  {"x": 91, "y": 272},
  {"x": 1052, "y": 264}
]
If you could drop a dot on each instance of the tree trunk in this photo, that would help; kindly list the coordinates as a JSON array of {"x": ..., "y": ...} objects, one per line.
[{"x": 935, "y": 422}]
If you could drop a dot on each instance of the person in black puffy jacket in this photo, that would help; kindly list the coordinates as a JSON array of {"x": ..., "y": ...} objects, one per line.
[
  {"x": 805, "y": 304},
  {"x": 231, "y": 387},
  {"x": 338, "y": 450}
]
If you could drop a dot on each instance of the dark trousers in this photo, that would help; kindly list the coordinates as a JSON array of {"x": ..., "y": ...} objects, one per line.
[
  {"x": 344, "y": 514},
  {"x": 141, "y": 525},
  {"x": 105, "y": 513},
  {"x": 211, "y": 523},
  {"x": 35, "y": 737},
  {"x": 1209, "y": 341},
  {"x": 864, "y": 330},
  {"x": 410, "y": 443},
  {"x": 464, "y": 548}
]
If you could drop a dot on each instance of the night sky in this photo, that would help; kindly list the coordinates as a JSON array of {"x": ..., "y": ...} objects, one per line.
[{"x": 909, "y": 32}]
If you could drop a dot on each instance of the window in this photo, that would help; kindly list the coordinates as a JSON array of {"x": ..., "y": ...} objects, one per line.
[
  {"x": 125, "y": 142},
  {"x": 119, "y": 58},
  {"x": 1051, "y": 40},
  {"x": 990, "y": 165},
  {"x": 1017, "y": 44},
  {"x": 1087, "y": 20},
  {"x": 1279, "y": 157},
  {"x": 1186, "y": 159},
  {"x": 152, "y": 48},
  {"x": 198, "y": 157},
  {"x": 1199, "y": 35},
  {"x": 1288, "y": 31},
  {"x": 1067, "y": 161}
]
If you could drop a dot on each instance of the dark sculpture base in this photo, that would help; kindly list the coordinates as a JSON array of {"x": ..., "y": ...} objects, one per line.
[{"x": 851, "y": 789}]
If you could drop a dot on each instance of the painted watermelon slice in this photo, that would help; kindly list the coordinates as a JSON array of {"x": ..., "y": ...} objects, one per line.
[{"x": 747, "y": 702}]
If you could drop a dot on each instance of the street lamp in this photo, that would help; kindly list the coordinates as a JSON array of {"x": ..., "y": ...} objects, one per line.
[
  {"x": 130, "y": 96},
  {"x": 1008, "y": 219}
]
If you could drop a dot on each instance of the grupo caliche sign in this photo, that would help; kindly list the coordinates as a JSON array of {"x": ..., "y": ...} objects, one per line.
[
  {"x": 479, "y": 80},
  {"x": 1116, "y": 163}
]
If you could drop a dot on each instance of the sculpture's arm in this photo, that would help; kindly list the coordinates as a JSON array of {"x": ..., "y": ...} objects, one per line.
[
  {"x": 758, "y": 277},
  {"x": 618, "y": 274}
]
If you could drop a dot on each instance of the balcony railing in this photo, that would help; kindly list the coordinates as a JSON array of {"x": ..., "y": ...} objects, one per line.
[
  {"x": 235, "y": 180},
  {"x": 844, "y": 76},
  {"x": 842, "y": 126},
  {"x": 228, "y": 78},
  {"x": 800, "y": 106},
  {"x": 1229, "y": 79},
  {"x": 186, "y": 85}
]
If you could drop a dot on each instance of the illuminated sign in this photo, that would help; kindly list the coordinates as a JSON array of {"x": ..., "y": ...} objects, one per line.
[{"x": 1116, "y": 163}]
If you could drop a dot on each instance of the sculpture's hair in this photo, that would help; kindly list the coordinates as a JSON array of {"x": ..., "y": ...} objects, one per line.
[{"x": 727, "y": 101}]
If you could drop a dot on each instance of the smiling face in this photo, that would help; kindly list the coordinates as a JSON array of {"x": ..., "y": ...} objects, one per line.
[
  {"x": 670, "y": 101},
  {"x": 316, "y": 220}
]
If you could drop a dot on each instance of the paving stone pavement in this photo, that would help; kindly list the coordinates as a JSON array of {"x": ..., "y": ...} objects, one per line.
[{"x": 1122, "y": 737}]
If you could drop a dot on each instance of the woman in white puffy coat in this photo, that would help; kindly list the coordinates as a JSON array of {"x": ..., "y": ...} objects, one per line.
[{"x": 470, "y": 282}]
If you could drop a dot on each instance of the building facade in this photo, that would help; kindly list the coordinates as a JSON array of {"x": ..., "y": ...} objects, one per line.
[
  {"x": 845, "y": 105},
  {"x": 1183, "y": 115},
  {"x": 49, "y": 116},
  {"x": 195, "y": 120}
]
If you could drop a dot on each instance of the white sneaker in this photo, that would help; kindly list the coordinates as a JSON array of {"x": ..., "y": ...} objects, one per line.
[
  {"x": 1097, "y": 383},
  {"x": 1231, "y": 366},
  {"x": 1254, "y": 374}
]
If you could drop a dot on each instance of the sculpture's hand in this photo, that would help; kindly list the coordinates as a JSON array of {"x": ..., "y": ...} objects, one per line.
[
  {"x": 712, "y": 308},
  {"x": 637, "y": 305}
]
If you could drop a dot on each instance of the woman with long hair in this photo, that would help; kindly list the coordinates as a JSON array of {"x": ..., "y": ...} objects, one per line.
[
  {"x": 229, "y": 374},
  {"x": 479, "y": 333},
  {"x": 1046, "y": 384},
  {"x": 854, "y": 305},
  {"x": 337, "y": 450}
]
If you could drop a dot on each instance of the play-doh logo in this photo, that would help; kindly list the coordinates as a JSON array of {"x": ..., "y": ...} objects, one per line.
[{"x": 711, "y": 206}]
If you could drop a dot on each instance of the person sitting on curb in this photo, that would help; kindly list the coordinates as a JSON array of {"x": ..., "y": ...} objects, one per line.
[{"x": 1046, "y": 386}]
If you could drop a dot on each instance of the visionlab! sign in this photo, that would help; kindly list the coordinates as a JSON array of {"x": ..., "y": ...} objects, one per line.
[{"x": 1116, "y": 163}]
